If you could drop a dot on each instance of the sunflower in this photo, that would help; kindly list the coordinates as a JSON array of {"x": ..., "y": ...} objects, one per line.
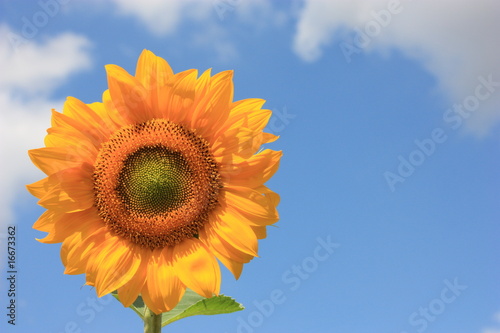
[{"x": 149, "y": 189}]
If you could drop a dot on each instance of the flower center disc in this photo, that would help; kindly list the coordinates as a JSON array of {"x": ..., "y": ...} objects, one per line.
[
  {"x": 154, "y": 180},
  {"x": 155, "y": 183}
]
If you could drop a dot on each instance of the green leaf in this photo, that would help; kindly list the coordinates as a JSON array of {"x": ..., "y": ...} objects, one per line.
[{"x": 191, "y": 304}]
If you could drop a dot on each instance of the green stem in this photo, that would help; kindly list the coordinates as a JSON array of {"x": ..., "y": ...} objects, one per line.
[{"x": 152, "y": 321}]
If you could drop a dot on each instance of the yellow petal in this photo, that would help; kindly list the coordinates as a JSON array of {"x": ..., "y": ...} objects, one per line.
[
  {"x": 68, "y": 224},
  {"x": 197, "y": 267},
  {"x": 107, "y": 116},
  {"x": 69, "y": 245},
  {"x": 212, "y": 109},
  {"x": 113, "y": 113},
  {"x": 251, "y": 172},
  {"x": 227, "y": 257},
  {"x": 94, "y": 126},
  {"x": 128, "y": 95},
  {"x": 234, "y": 231},
  {"x": 245, "y": 107},
  {"x": 72, "y": 141},
  {"x": 241, "y": 142},
  {"x": 69, "y": 190},
  {"x": 46, "y": 221},
  {"x": 234, "y": 267},
  {"x": 40, "y": 188},
  {"x": 244, "y": 113},
  {"x": 53, "y": 159},
  {"x": 260, "y": 231},
  {"x": 209, "y": 236},
  {"x": 75, "y": 248},
  {"x": 73, "y": 129},
  {"x": 203, "y": 82},
  {"x": 153, "y": 72},
  {"x": 164, "y": 289},
  {"x": 255, "y": 206},
  {"x": 231, "y": 252},
  {"x": 114, "y": 264},
  {"x": 129, "y": 292},
  {"x": 177, "y": 96}
]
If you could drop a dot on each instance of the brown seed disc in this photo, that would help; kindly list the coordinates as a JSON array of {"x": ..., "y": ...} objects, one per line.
[{"x": 155, "y": 183}]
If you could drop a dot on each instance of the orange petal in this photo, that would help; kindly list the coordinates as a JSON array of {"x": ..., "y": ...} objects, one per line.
[
  {"x": 234, "y": 267},
  {"x": 108, "y": 116},
  {"x": 128, "y": 95},
  {"x": 69, "y": 245},
  {"x": 40, "y": 188},
  {"x": 113, "y": 113},
  {"x": 245, "y": 113},
  {"x": 114, "y": 264},
  {"x": 151, "y": 293},
  {"x": 69, "y": 190},
  {"x": 241, "y": 142},
  {"x": 245, "y": 107},
  {"x": 257, "y": 207},
  {"x": 251, "y": 172},
  {"x": 46, "y": 221},
  {"x": 129, "y": 292},
  {"x": 68, "y": 224},
  {"x": 212, "y": 109},
  {"x": 154, "y": 304},
  {"x": 203, "y": 82},
  {"x": 153, "y": 72},
  {"x": 212, "y": 241},
  {"x": 72, "y": 141},
  {"x": 258, "y": 120},
  {"x": 164, "y": 289},
  {"x": 177, "y": 96},
  {"x": 62, "y": 123},
  {"x": 233, "y": 253},
  {"x": 260, "y": 231},
  {"x": 197, "y": 267},
  {"x": 90, "y": 123},
  {"x": 234, "y": 231},
  {"x": 75, "y": 248},
  {"x": 53, "y": 159}
]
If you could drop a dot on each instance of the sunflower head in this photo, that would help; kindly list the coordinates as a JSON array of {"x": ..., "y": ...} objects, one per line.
[{"x": 148, "y": 188}]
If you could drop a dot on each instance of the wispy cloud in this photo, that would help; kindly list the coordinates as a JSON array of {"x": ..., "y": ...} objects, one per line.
[
  {"x": 496, "y": 318},
  {"x": 31, "y": 72},
  {"x": 163, "y": 17},
  {"x": 38, "y": 68},
  {"x": 454, "y": 40},
  {"x": 213, "y": 20}
]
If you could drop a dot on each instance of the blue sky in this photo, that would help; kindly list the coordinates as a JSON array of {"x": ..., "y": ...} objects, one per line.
[{"x": 388, "y": 115}]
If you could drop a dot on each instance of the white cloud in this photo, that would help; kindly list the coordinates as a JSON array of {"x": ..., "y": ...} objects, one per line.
[
  {"x": 454, "y": 40},
  {"x": 496, "y": 318},
  {"x": 258, "y": 13},
  {"x": 38, "y": 68},
  {"x": 211, "y": 19},
  {"x": 22, "y": 127},
  {"x": 216, "y": 39},
  {"x": 30, "y": 72},
  {"x": 162, "y": 17}
]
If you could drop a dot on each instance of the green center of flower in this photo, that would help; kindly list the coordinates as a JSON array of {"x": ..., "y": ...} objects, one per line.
[{"x": 154, "y": 180}]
